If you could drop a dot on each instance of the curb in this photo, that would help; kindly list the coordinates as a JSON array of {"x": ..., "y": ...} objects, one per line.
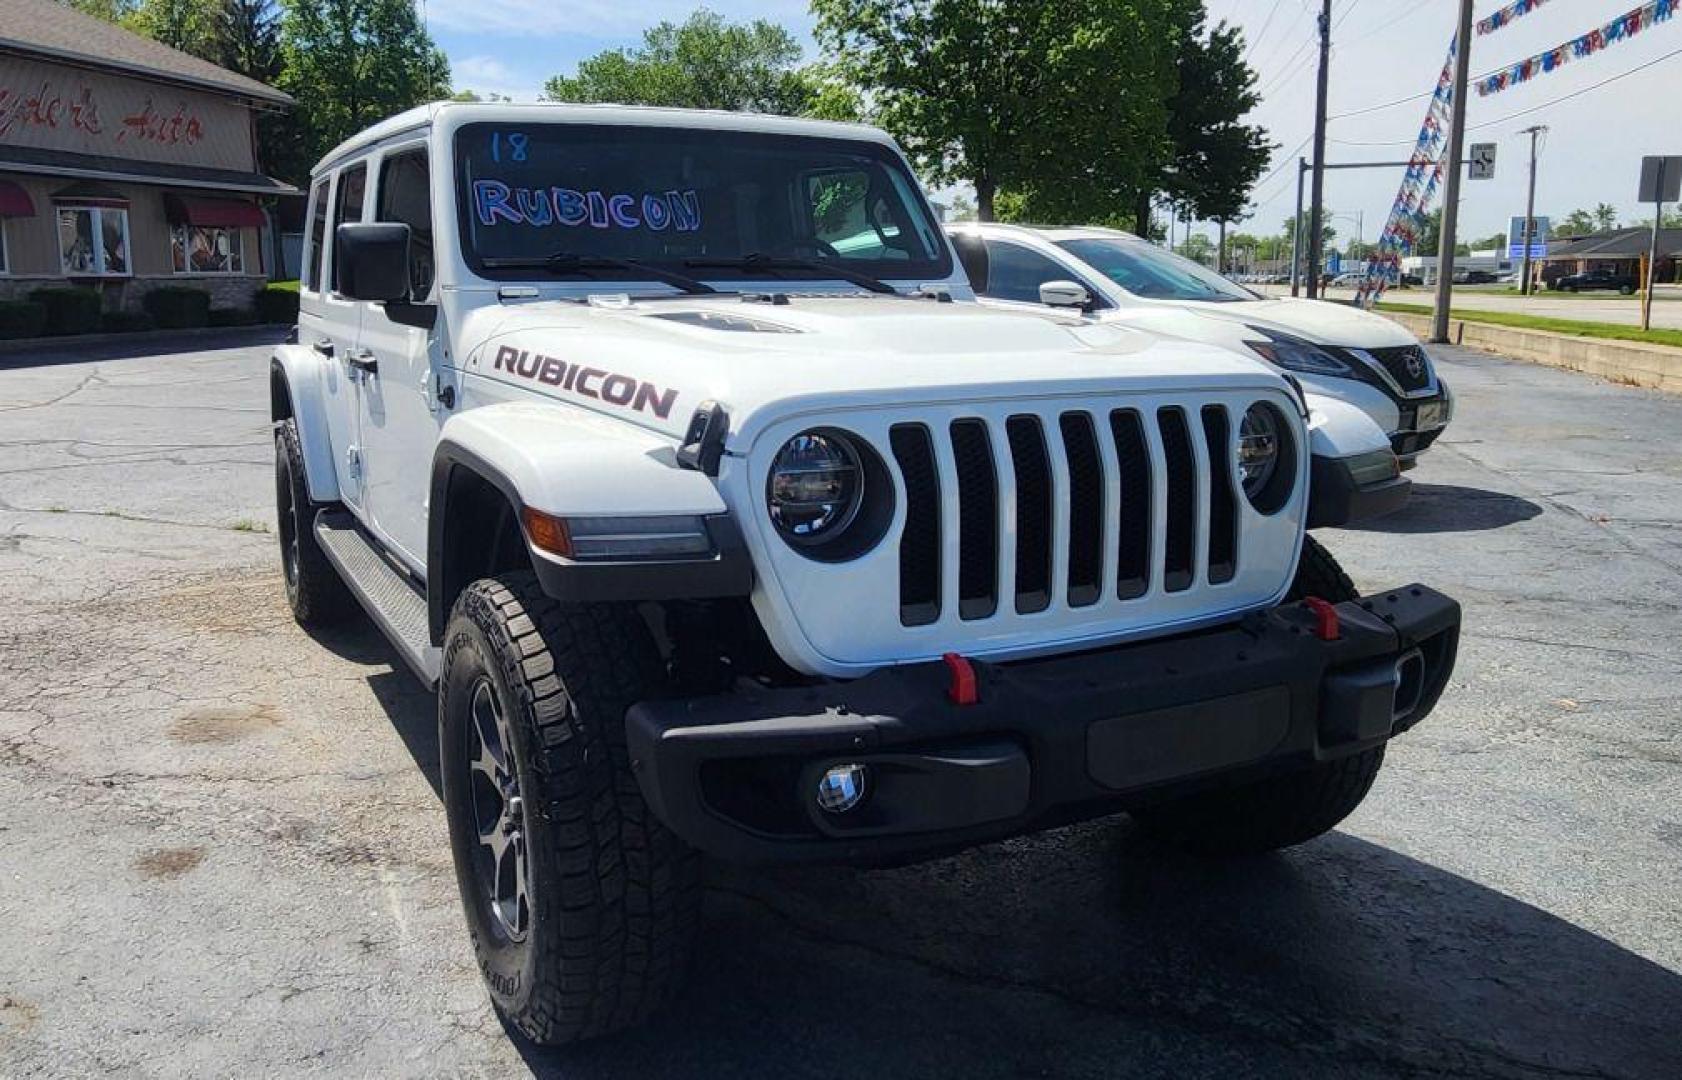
[
  {"x": 78, "y": 342},
  {"x": 1633, "y": 363}
]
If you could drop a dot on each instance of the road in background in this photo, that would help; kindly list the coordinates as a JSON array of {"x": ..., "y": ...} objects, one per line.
[
  {"x": 222, "y": 852},
  {"x": 1607, "y": 307}
]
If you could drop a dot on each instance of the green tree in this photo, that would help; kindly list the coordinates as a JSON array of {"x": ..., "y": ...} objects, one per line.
[
  {"x": 350, "y": 63},
  {"x": 110, "y": 10},
  {"x": 1199, "y": 248},
  {"x": 703, "y": 63},
  {"x": 1577, "y": 223},
  {"x": 193, "y": 26},
  {"x": 1493, "y": 242},
  {"x": 1063, "y": 102},
  {"x": 1605, "y": 217},
  {"x": 1216, "y": 158}
]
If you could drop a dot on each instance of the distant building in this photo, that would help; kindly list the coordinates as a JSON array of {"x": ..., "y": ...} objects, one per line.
[
  {"x": 125, "y": 164},
  {"x": 1424, "y": 267},
  {"x": 1621, "y": 250}
]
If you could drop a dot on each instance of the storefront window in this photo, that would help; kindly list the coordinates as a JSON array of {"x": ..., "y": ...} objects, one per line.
[
  {"x": 5, "y": 267},
  {"x": 200, "y": 249},
  {"x": 93, "y": 240}
]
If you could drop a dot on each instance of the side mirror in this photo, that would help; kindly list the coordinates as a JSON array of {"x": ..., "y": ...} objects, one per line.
[
  {"x": 372, "y": 261},
  {"x": 1065, "y": 294}
]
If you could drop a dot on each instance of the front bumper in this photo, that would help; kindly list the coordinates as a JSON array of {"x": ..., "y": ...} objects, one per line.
[
  {"x": 1046, "y": 741},
  {"x": 1342, "y": 490}
]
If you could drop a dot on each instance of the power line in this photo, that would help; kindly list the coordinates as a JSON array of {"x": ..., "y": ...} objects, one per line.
[
  {"x": 1267, "y": 22},
  {"x": 1524, "y": 112},
  {"x": 1414, "y": 10},
  {"x": 1576, "y": 93},
  {"x": 1287, "y": 70},
  {"x": 1277, "y": 169},
  {"x": 1348, "y": 11}
]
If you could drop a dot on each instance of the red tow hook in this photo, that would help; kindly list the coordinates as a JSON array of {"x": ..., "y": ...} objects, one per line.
[
  {"x": 962, "y": 691},
  {"x": 1325, "y": 618}
]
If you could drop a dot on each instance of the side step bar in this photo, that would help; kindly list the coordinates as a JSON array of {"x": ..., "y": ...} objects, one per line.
[{"x": 392, "y": 602}]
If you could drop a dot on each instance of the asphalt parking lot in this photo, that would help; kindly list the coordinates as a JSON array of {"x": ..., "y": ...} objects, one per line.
[{"x": 222, "y": 852}]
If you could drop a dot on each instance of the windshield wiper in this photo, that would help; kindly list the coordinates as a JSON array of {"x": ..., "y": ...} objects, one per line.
[
  {"x": 568, "y": 262},
  {"x": 760, "y": 261}
]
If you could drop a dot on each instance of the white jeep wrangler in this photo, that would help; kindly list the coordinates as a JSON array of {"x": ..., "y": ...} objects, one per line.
[{"x": 654, "y": 441}]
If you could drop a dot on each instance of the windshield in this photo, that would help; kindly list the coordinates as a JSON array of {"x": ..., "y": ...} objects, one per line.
[
  {"x": 688, "y": 201},
  {"x": 1145, "y": 270}
]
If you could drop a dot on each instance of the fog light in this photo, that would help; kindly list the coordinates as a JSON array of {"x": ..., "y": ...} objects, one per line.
[{"x": 841, "y": 788}]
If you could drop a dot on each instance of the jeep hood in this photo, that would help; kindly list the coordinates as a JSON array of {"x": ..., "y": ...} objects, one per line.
[{"x": 652, "y": 362}]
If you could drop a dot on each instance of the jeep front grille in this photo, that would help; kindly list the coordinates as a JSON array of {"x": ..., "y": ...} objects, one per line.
[
  {"x": 1022, "y": 526},
  {"x": 1071, "y": 503}
]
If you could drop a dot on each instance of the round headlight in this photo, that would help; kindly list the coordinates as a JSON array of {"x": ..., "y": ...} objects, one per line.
[
  {"x": 816, "y": 487},
  {"x": 1258, "y": 448}
]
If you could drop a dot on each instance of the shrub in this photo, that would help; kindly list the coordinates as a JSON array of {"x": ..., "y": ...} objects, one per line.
[
  {"x": 176, "y": 307},
  {"x": 22, "y": 319},
  {"x": 276, "y": 305},
  {"x": 70, "y": 310},
  {"x": 122, "y": 322},
  {"x": 232, "y": 316}
]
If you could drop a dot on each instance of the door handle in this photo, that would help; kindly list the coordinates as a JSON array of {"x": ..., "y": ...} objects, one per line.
[
  {"x": 323, "y": 346},
  {"x": 363, "y": 360}
]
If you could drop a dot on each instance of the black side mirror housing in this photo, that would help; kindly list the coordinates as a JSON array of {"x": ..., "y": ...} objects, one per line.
[{"x": 373, "y": 261}]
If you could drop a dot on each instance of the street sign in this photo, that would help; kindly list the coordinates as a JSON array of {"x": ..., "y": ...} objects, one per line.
[
  {"x": 1661, "y": 180},
  {"x": 1538, "y": 236},
  {"x": 1482, "y": 161}
]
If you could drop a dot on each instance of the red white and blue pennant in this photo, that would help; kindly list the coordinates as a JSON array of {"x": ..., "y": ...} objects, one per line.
[
  {"x": 1516, "y": 10},
  {"x": 1622, "y": 28}
]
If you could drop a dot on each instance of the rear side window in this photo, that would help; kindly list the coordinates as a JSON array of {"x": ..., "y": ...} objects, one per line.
[
  {"x": 405, "y": 195},
  {"x": 318, "y": 227},
  {"x": 347, "y": 206}
]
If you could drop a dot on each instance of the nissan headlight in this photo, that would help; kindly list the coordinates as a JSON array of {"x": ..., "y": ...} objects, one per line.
[{"x": 1294, "y": 354}]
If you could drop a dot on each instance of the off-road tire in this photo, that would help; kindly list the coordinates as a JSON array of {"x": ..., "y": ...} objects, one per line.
[
  {"x": 614, "y": 895},
  {"x": 316, "y": 593},
  {"x": 1282, "y": 810},
  {"x": 1269, "y": 814},
  {"x": 1319, "y": 574}
]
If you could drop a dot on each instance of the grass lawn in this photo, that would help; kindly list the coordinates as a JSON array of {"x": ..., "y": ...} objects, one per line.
[{"x": 1613, "y": 331}]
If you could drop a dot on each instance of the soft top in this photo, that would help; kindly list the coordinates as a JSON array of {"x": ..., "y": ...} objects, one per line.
[{"x": 456, "y": 113}]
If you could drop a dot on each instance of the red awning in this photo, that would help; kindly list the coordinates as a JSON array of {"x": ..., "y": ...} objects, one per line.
[
  {"x": 14, "y": 201},
  {"x": 212, "y": 213}
]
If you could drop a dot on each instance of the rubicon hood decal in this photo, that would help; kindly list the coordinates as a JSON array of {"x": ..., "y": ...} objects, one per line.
[{"x": 599, "y": 383}]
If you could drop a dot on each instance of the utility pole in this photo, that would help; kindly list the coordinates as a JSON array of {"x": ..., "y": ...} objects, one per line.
[
  {"x": 1316, "y": 207},
  {"x": 1296, "y": 231},
  {"x": 1530, "y": 207},
  {"x": 1451, "y": 184}
]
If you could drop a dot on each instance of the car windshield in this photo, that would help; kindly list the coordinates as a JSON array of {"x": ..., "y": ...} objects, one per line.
[
  {"x": 709, "y": 204},
  {"x": 1145, "y": 270}
]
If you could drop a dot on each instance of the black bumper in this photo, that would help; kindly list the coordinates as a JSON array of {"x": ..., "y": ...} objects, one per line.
[
  {"x": 1342, "y": 490},
  {"x": 1046, "y": 742}
]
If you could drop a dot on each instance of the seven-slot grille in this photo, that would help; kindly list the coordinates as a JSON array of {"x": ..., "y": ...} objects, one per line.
[{"x": 1076, "y": 491}]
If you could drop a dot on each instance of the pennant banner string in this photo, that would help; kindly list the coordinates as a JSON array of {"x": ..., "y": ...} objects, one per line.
[
  {"x": 1516, "y": 10},
  {"x": 1622, "y": 28}
]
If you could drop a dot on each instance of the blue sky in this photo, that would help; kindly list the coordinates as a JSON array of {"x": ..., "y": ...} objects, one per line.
[
  {"x": 512, "y": 46},
  {"x": 1383, "y": 50}
]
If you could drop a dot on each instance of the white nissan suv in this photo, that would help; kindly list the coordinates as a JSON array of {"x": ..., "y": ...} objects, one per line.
[
  {"x": 662, "y": 445},
  {"x": 1340, "y": 353}
]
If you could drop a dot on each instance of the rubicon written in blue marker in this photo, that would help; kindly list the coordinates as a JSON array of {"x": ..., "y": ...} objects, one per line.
[{"x": 496, "y": 203}]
